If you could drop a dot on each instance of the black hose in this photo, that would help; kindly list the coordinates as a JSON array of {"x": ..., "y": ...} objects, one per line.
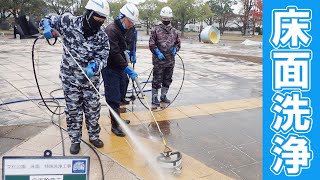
[
  {"x": 57, "y": 107},
  {"x": 36, "y": 78},
  {"x": 184, "y": 72}
]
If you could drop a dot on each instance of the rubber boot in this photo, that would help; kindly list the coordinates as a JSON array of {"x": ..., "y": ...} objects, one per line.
[
  {"x": 75, "y": 148},
  {"x": 155, "y": 100},
  {"x": 97, "y": 143},
  {"x": 163, "y": 97},
  {"x": 115, "y": 127}
]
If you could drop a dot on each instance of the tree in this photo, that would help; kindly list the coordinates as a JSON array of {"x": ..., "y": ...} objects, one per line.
[
  {"x": 183, "y": 12},
  {"x": 60, "y": 6},
  {"x": 222, "y": 12},
  {"x": 204, "y": 13},
  {"x": 115, "y": 7},
  {"x": 13, "y": 7},
  {"x": 245, "y": 13},
  {"x": 257, "y": 13},
  {"x": 34, "y": 8},
  {"x": 149, "y": 12},
  {"x": 3, "y": 10},
  {"x": 78, "y": 7}
]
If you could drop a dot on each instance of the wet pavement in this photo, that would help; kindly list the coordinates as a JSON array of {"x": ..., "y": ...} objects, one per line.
[
  {"x": 225, "y": 142},
  {"x": 215, "y": 121}
]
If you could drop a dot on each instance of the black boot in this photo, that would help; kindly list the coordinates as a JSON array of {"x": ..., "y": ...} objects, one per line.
[
  {"x": 116, "y": 129},
  {"x": 97, "y": 143},
  {"x": 124, "y": 102},
  {"x": 75, "y": 148},
  {"x": 124, "y": 120}
]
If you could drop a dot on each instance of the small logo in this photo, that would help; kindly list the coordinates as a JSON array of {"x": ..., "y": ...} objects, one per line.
[{"x": 78, "y": 166}]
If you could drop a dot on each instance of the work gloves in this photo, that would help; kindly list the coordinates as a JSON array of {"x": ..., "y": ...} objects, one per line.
[
  {"x": 173, "y": 51},
  {"x": 132, "y": 54},
  {"x": 159, "y": 54},
  {"x": 47, "y": 29},
  {"x": 91, "y": 68},
  {"x": 132, "y": 74}
]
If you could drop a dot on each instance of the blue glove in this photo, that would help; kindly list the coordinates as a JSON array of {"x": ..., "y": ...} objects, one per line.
[
  {"x": 173, "y": 51},
  {"x": 159, "y": 54},
  {"x": 134, "y": 57},
  {"x": 130, "y": 72},
  {"x": 91, "y": 68},
  {"x": 47, "y": 29}
]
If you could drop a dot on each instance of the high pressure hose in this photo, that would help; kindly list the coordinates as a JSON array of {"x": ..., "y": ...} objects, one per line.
[
  {"x": 35, "y": 74},
  {"x": 183, "y": 77},
  {"x": 55, "y": 100}
]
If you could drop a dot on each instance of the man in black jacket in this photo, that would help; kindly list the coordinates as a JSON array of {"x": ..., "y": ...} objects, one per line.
[{"x": 115, "y": 74}]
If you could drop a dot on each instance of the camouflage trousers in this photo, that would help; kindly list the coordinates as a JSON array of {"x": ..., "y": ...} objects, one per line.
[
  {"x": 162, "y": 76},
  {"x": 81, "y": 98}
]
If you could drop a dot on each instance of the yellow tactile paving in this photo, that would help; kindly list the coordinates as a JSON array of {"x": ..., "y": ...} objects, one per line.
[
  {"x": 134, "y": 160},
  {"x": 171, "y": 113},
  {"x": 126, "y": 153},
  {"x": 192, "y": 110}
]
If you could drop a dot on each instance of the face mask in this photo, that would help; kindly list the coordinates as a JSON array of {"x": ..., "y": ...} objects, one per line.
[
  {"x": 90, "y": 25},
  {"x": 124, "y": 25},
  {"x": 166, "y": 23},
  {"x": 95, "y": 25}
]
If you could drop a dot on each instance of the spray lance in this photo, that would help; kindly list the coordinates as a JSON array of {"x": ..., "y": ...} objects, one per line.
[
  {"x": 136, "y": 80},
  {"x": 57, "y": 36},
  {"x": 168, "y": 159}
]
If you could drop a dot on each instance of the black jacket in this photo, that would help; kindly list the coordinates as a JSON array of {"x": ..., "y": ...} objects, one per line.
[
  {"x": 116, "y": 34},
  {"x": 131, "y": 38}
]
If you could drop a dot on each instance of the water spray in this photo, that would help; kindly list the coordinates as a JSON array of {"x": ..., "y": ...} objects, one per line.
[
  {"x": 168, "y": 160},
  {"x": 171, "y": 161}
]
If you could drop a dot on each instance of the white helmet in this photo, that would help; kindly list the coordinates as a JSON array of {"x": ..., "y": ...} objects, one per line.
[
  {"x": 131, "y": 11},
  {"x": 166, "y": 12},
  {"x": 101, "y": 7}
]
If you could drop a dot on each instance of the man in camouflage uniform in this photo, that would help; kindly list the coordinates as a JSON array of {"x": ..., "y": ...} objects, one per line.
[
  {"x": 164, "y": 43},
  {"x": 89, "y": 45}
]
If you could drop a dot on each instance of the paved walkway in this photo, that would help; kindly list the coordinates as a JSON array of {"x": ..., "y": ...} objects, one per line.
[{"x": 215, "y": 121}]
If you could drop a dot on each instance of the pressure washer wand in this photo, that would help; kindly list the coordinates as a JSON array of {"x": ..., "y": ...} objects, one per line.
[
  {"x": 167, "y": 149},
  {"x": 84, "y": 73}
]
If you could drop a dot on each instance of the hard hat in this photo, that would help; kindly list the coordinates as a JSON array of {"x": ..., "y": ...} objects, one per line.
[
  {"x": 166, "y": 12},
  {"x": 131, "y": 11},
  {"x": 101, "y": 7}
]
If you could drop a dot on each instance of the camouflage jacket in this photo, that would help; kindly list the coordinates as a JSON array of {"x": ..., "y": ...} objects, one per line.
[
  {"x": 94, "y": 48},
  {"x": 164, "y": 38}
]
